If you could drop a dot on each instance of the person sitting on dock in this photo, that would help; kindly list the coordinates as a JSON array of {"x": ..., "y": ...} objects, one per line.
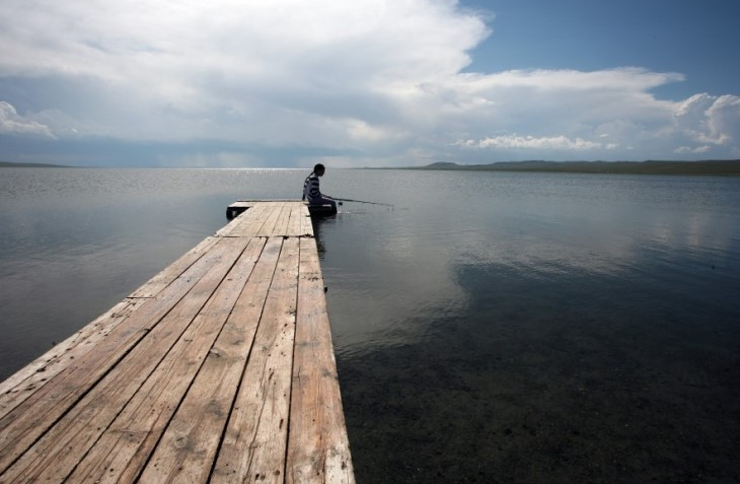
[{"x": 311, "y": 191}]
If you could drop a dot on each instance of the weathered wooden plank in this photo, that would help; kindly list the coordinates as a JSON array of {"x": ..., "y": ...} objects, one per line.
[
  {"x": 16, "y": 388},
  {"x": 227, "y": 229},
  {"x": 156, "y": 284},
  {"x": 260, "y": 223},
  {"x": 149, "y": 339},
  {"x": 318, "y": 450},
  {"x": 268, "y": 229},
  {"x": 188, "y": 448},
  {"x": 35, "y": 375},
  {"x": 307, "y": 225},
  {"x": 294, "y": 222},
  {"x": 298, "y": 214},
  {"x": 245, "y": 224},
  {"x": 273, "y": 218},
  {"x": 254, "y": 444},
  {"x": 266, "y": 201},
  {"x": 283, "y": 222},
  {"x": 121, "y": 452},
  {"x": 243, "y": 204}
]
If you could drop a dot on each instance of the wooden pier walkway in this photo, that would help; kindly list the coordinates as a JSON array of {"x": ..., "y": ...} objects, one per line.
[{"x": 219, "y": 369}]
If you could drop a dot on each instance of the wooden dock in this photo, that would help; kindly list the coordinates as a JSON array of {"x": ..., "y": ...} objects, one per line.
[
  {"x": 238, "y": 207},
  {"x": 219, "y": 369}
]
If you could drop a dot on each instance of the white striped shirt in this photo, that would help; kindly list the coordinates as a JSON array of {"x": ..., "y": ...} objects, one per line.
[{"x": 311, "y": 190}]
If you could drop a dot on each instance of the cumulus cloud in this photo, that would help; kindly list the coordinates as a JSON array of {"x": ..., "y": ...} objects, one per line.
[
  {"x": 609, "y": 114},
  {"x": 14, "y": 124},
  {"x": 546, "y": 143},
  {"x": 368, "y": 82},
  {"x": 710, "y": 119},
  {"x": 697, "y": 150},
  {"x": 228, "y": 69}
]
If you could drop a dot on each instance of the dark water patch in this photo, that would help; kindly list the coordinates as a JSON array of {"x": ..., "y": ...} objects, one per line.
[{"x": 558, "y": 379}]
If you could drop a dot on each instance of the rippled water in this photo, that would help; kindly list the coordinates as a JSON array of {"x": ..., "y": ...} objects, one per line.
[{"x": 490, "y": 327}]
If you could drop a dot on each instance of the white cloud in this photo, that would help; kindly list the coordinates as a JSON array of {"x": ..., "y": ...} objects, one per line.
[
  {"x": 546, "y": 143},
  {"x": 709, "y": 122},
  {"x": 694, "y": 151},
  {"x": 13, "y": 123},
  {"x": 720, "y": 120},
  {"x": 264, "y": 70},
  {"x": 371, "y": 82}
]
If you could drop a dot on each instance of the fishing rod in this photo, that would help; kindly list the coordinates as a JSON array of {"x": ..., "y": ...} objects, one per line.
[{"x": 362, "y": 201}]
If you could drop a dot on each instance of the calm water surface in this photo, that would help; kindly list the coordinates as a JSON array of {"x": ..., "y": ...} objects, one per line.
[{"x": 490, "y": 327}]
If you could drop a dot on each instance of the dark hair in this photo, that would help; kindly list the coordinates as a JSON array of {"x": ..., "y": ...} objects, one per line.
[{"x": 318, "y": 167}]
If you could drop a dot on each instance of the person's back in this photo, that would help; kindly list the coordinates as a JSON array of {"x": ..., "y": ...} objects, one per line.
[{"x": 311, "y": 191}]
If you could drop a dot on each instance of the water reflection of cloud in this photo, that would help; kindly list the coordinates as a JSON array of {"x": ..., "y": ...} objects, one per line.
[
  {"x": 602, "y": 245},
  {"x": 409, "y": 273},
  {"x": 404, "y": 283},
  {"x": 703, "y": 230}
]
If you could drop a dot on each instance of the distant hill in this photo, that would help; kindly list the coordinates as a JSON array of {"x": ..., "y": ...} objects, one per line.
[
  {"x": 7, "y": 164},
  {"x": 650, "y": 167},
  {"x": 446, "y": 165}
]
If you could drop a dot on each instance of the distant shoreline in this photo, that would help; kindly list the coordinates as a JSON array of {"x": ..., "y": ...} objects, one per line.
[
  {"x": 8, "y": 164},
  {"x": 650, "y": 167}
]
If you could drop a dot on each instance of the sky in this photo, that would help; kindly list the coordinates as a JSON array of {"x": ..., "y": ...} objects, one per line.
[{"x": 367, "y": 83}]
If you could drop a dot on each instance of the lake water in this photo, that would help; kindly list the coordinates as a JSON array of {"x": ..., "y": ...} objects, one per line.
[{"x": 490, "y": 327}]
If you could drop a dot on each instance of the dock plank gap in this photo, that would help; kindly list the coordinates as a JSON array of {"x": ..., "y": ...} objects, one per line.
[{"x": 219, "y": 369}]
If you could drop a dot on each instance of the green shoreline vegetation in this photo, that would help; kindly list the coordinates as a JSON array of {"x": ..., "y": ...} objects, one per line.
[{"x": 650, "y": 167}]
